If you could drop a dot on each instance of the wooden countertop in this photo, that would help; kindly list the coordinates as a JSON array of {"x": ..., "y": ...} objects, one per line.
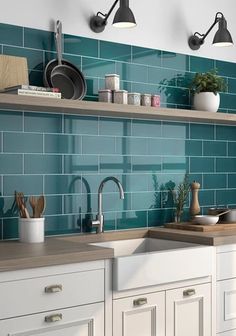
[{"x": 73, "y": 249}]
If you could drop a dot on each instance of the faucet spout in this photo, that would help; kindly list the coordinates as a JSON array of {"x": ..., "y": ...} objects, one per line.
[{"x": 99, "y": 222}]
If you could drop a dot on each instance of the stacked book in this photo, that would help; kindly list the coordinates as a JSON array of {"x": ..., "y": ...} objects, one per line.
[{"x": 31, "y": 90}]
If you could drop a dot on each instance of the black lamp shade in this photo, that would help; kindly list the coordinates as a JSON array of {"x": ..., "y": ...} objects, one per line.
[
  {"x": 222, "y": 37},
  {"x": 124, "y": 17}
]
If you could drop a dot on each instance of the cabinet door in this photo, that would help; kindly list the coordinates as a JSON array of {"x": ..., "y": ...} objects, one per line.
[
  {"x": 226, "y": 305},
  {"x": 139, "y": 315},
  {"x": 188, "y": 311},
  {"x": 86, "y": 320}
]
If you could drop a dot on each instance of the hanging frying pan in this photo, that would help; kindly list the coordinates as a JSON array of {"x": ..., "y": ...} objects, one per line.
[{"x": 64, "y": 75}]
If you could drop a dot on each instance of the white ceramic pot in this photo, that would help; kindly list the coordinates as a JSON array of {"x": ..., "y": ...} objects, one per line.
[
  {"x": 31, "y": 230},
  {"x": 206, "y": 101}
]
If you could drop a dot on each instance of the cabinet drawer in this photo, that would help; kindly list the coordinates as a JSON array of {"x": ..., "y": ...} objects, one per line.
[
  {"x": 84, "y": 321},
  {"x": 48, "y": 293},
  {"x": 226, "y": 305},
  {"x": 226, "y": 265}
]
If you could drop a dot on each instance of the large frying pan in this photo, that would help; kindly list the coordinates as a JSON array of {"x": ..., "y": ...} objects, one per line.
[{"x": 64, "y": 75}]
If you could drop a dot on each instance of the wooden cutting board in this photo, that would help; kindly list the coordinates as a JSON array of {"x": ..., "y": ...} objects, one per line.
[
  {"x": 201, "y": 228},
  {"x": 13, "y": 71}
]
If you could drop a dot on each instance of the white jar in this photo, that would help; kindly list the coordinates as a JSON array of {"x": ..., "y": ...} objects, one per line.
[
  {"x": 134, "y": 98},
  {"x": 112, "y": 82},
  {"x": 105, "y": 96},
  {"x": 121, "y": 97},
  {"x": 146, "y": 99},
  {"x": 31, "y": 230}
]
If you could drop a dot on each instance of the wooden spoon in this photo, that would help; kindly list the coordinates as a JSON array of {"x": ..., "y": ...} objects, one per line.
[
  {"x": 40, "y": 206},
  {"x": 33, "y": 202}
]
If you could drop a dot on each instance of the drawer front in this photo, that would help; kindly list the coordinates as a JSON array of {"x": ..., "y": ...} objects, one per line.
[
  {"x": 226, "y": 305},
  {"x": 226, "y": 265},
  {"x": 48, "y": 293},
  {"x": 83, "y": 321}
]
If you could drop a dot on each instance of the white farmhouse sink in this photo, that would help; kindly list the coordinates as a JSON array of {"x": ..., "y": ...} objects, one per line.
[{"x": 148, "y": 261}]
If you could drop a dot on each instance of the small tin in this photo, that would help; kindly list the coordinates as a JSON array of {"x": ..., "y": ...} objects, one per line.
[
  {"x": 156, "y": 101},
  {"x": 112, "y": 82},
  {"x": 134, "y": 98},
  {"x": 146, "y": 99},
  {"x": 120, "y": 97},
  {"x": 105, "y": 96}
]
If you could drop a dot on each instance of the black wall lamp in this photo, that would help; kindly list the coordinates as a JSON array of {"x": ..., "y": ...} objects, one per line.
[
  {"x": 222, "y": 37},
  {"x": 124, "y": 17}
]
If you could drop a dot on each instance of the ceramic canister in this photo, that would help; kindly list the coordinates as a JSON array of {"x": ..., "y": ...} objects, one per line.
[
  {"x": 105, "y": 96},
  {"x": 134, "y": 98},
  {"x": 146, "y": 99},
  {"x": 156, "y": 101},
  {"x": 112, "y": 82},
  {"x": 121, "y": 97}
]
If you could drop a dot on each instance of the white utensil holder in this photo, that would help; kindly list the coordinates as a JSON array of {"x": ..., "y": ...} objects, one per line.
[{"x": 31, "y": 230}]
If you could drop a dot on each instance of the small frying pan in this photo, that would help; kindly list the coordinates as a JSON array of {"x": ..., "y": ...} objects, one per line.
[
  {"x": 67, "y": 77},
  {"x": 63, "y": 74}
]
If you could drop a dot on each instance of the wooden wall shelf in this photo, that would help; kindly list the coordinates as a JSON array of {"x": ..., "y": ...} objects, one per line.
[{"x": 15, "y": 102}]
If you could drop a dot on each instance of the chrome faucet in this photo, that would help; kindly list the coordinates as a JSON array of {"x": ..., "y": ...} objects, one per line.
[{"x": 99, "y": 222}]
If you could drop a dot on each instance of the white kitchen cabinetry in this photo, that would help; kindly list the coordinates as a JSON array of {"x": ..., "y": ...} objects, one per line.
[
  {"x": 53, "y": 301},
  {"x": 226, "y": 290},
  {"x": 188, "y": 311},
  {"x": 139, "y": 315}
]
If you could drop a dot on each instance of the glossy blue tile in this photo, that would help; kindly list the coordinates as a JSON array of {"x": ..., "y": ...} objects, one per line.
[
  {"x": 146, "y": 164},
  {"x": 146, "y": 56},
  {"x": 225, "y": 165},
  {"x": 11, "y": 120},
  {"x": 232, "y": 180},
  {"x": 200, "y": 64},
  {"x": 162, "y": 76},
  {"x": 172, "y": 95},
  {"x": 225, "y": 197},
  {"x": 10, "y": 34},
  {"x": 80, "y": 125},
  {"x": 214, "y": 181},
  {"x": 78, "y": 45},
  {"x": 132, "y": 72},
  {"x": 131, "y": 219},
  {"x": 225, "y": 133},
  {"x": 77, "y": 164},
  {"x": 8, "y": 208},
  {"x": 145, "y": 128},
  {"x": 146, "y": 200},
  {"x": 98, "y": 145},
  {"x": 115, "y": 164},
  {"x": 214, "y": 148},
  {"x": 39, "y": 39},
  {"x": 206, "y": 197},
  {"x": 96, "y": 67},
  {"x": 159, "y": 217},
  {"x": 43, "y": 122},
  {"x": 201, "y": 164},
  {"x": 135, "y": 182},
  {"x": 63, "y": 184},
  {"x": 54, "y": 205},
  {"x": 64, "y": 144},
  {"x": 225, "y": 68},
  {"x": 30, "y": 185},
  {"x": 42, "y": 164},
  {"x": 175, "y": 130},
  {"x": 175, "y": 61},
  {"x": 22, "y": 143},
  {"x": 176, "y": 164},
  {"x": 115, "y": 51},
  {"x": 227, "y": 101},
  {"x": 202, "y": 131},
  {"x": 34, "y": 57},
  {"x": 10, "y": 228},
  {"x": 131, "y": 146},
  {"x": 113, "y": 126},
  {"x": 11, "y": 164},
  {"x": 62, "y": 224}
]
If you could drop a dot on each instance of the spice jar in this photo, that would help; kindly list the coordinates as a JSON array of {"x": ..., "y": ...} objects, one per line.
[
  {"x": 112, "y": 82},
  {"x": 105, "y": 96},
  {"x": 156, "y": 101},
  {"x": 120, "y": 97},
  {"x": 146, "y": 99},
  {"x": 134, "y": 98}
]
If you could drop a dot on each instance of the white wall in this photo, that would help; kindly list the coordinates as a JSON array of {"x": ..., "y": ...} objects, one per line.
[{"x": 162, "y": 24}]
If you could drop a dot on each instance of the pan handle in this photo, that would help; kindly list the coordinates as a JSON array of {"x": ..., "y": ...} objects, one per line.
[{"x": 59, "y": 41}]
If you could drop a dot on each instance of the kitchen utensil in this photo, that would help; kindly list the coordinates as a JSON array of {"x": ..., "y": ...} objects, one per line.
[
  {"x": 13, "y": 71},
  {"x": 63, "y": 74},
  {"x": 205, "y": 219},
  {"x": 40, "y": 206},
  {"x": 21, "y": 204},
  {"x": 194, "y": 205},
  {"x": 33, "y": 203},
  {"x": 229, "y": 217}
]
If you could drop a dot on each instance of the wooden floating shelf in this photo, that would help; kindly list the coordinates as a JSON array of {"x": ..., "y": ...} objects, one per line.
[{"x": 26, "y": 103}]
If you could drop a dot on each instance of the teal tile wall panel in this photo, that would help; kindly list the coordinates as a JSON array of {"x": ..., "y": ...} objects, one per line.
[{"x": 67, "y": 156}]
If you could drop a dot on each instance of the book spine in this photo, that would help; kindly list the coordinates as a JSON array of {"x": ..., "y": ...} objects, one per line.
[
  {"x": 39, "y": 93},
  {"x": 38, "y": 88}
]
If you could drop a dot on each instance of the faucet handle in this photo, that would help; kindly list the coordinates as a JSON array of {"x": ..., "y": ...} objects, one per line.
[{"x": 98, "y": 223}]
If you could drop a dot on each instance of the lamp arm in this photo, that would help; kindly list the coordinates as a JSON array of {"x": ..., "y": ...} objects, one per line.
[
  {"x": 106, "y": 16},
  {"x": 217, "y": 19}
]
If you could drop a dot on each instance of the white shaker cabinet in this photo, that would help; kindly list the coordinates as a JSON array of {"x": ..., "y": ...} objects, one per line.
[
  {"x": 139, "y": 315},
  {"x": 188, "y": 311}
]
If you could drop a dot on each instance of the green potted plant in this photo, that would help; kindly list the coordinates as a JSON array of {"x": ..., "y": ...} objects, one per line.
[{"x": 206, "y": 87}]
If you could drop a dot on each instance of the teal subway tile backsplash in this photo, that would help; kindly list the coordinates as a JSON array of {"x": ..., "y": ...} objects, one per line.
[{"x": 67, "y": 156}]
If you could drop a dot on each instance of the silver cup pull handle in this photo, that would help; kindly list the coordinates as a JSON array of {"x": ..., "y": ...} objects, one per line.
[
  {"x": 53, "y": 289},
  {"x": 53, "y": 318},
  {"x": 189, "y": 292},
  {"x": 140, "y": 302}
]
